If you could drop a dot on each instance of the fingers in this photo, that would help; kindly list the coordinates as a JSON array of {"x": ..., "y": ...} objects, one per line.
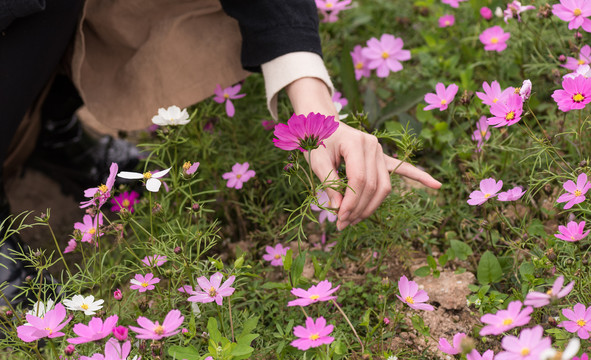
[
  {"x": 406, "y": 169},
  {"x": 325, "y": 169}
]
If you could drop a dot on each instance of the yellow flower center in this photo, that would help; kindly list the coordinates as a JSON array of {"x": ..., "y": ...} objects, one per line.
[
  {"x": 507, "y": 321},
  {"x": 103, "y": 188},
  {"x": 226, "y": 96},
  {"x": 277, "y": 256},
  {"x": 495, "y": 100},
  {"x": 572, "y": 237},
  {"x": 92, "y": 231},
  {"x": 578, "y": 193},
  {"x": 581, "y": 62},
  {"x": 487, "y": 195},
  {"x": 517, "y": 90},
  {"x": 159, "y": 330},
  {"x": 581, "y": 322},
  {"x": 314, "y": 297},
  {"x": 483, "y": 133},
  {"x": 549, "y": 292},
  {"x": 409, "y": 300},
  {"x": 494, "y": 40},
  {"x": 186, "y": 165},
  {"x": 314, "y": 337},
  {"x": 84, "y": 306},
  {"x": 577, "y": 12},
  {"x": 510, "y": 115},
  {"x": 359, "y": 65},
  {"x": 212, "y": 292},
  {"x": 578, "y": 97},
  {"x": 238, "y": 176},
  {"x": 447, "y": 22},
  {"x": 145, "y": 284},
  {"x": 49, "y": 329},
  {"x": 329, "y": 5},
  {"x": 125, "y": 203},
  {"x": 385, "y": 55},
  {"x": 524, "y": 352},
  {"x": 147, "y": 175},
  {"x": 443, "y": 102}
]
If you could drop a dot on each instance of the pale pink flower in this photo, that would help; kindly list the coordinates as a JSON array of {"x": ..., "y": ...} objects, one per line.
[
  {"x": 447, "y": 348},
  {"x": 584, "y": 59},
  {"x": 579, "y": 320},
  {"x": 95, "y": 330},
  {"x": 385, "y": 54},
  {"x": 275, "y": 254},
  {"x": 313, "y": 335},
  {"x": 446, "y": 20},
  {"x": 412, "y": 296},
  {"x": 316, "y": 293},
  {"x": 324, "y": 201},
  {"x": 155, "y": 331},
  {"x": 443, "y": 97},
  {"x": 71, "y": 246},
  {"x": 47, "y": 325},
  {"x": 481, "y": 134},
  {"x": 488, "y": 189},
  {"x": 238, "y": 176},
  {"x": 514, "y": 9},
  {"x": 189, "y": 169},
  {"x": 99, "y": 195},
  {"x": 331, "y": 8},
  {"x": 475, "y": 355},
  {"x": 144, "y": 283},
  {"x": 511, "y": 195},
  {"x": 539, "y": 299},
  {"x": 360, "y": 63},
  {"x": 453, "y": 3},
  {"x": 572, "y": 231},
  {"x": 575, "y": 192},
  {"x": 154, "y": 260},
  {"x": 505, "y": 320},
  {"x": 576, "y": 93},
  {"x": 211, "y": 290},
  {"x": 486, "y": 13},
  {"x": 493, "y": 93},
  {"x": 506, "y": 113},
  {"x": 582, "y": 70},
  {"x": 525, "y": 89},
  {"x": 89, "y": 226},
  {"x": 494, "y": 39},
  {"x": 575, "y": 12},
  {"x": 226, "y": 95},
  {"x": 337, "y": 97},
  {"x": 528, "y": 346},
  {"x": 304, "y": 132}
]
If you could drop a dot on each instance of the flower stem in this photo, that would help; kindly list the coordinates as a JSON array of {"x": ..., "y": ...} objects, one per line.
[
  {"x": 58, "y": 249},
  {"x": 351, "y": 325},
  {"x": 231, "y": 322}
]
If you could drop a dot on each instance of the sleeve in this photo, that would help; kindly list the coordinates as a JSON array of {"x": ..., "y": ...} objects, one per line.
[{"x": 272, "y": 28}]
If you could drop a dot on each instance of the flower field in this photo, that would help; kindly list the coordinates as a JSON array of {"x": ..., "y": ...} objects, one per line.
[{"x": 223, "y": 245}]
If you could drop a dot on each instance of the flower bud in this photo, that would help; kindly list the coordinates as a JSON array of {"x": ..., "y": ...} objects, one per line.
[
  {"x": 69, "y": 350},
  {"x": 157, "y": 209},
  {"x": 117, "y": 295},
  {"x": 550, "y": 254},
  {"x": 120, "y": 333},
  {"x": 583, "y": 163},
  {"x": 552, "y": 321},
  {"x": 386, "y": 321},
  {"x": 545, "y": 11},
  {"x": 486, "y": 13},
  {"x": 177, "y": 250},
  {"x": 143, "y": 305}
]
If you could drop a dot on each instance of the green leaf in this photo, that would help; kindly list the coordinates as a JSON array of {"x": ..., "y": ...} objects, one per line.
[
  {"x": 297, "y": 268},
  {"x": 276, "y": 285},
  {"x": 248, "y": 326},
  {"x": 181, "y": 352},
  {"x": 461, "y": 249},
  {"x": 431, "y": 261},
  {"x": 489, "y": 269},
  {"x": 287, "y": 260},
  {"x": 526, "y": 269},
  {"x": 419, "y": 325},
  {"x": 442, "y": 260},
  {"x": 218, "y": 264},
  {"x": 423, "y": 271},
  {"x": 214, "y": 332}
]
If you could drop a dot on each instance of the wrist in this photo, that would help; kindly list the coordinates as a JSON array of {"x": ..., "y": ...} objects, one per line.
[{"x": 311, "y": 94}]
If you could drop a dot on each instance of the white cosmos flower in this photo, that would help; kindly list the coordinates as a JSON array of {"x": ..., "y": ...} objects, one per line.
[
  {"x": 171, "y": 116},
  {"x": 39, "y": 309},
  {"x": 86, "y": 304},
  {"x": 571, "y": 350},
  {"x": 339, "y": 107},
  {"x": 152, "y": 182}
]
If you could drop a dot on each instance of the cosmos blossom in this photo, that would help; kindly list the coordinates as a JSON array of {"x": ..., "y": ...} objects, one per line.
[
  {"x": 212, "y": 289},
  {"x": 95, "y": 330},
  {"x": 144, "y": 283},
  {"x": 324, "y": 201},
  {"x": 446, "y": 20},
  {"x": 584, "y": 59},
  {"x": 125, "y": 200},
  {"x": 575, "y": 192},
  {"x": 574, "y": 95},
  {"x": 172, "y": 116},
  {"x": 304, "y": 132},
  {"x": 575, "y": 12},
  {"x": 88, "y": 227},
  {"x": 47, "y": 325},
  {"x": 316, "y": 293},
  {"x": 412, "y": 296},
  {"x": 238, "y": 176},
  {"x": 505, "y": 320},
  {"x": 494, "y": 39},
  {"x": 152, "y": 180},
  {"x": 99, "y": 195},
  {"x": 385, "y": 54},
  {"x": 313, "y": 335},
  {"x": 514, "y": 9},
  {"x": 579, "y": 320},
  {"x": 442, "y": 98},
  {"x": 275, "y": 254},
  {"x": 488, "y": 190},
  {"x": 454, "y": 349},
  {"x": 360, "y": 63},
  {"x": 481, "y": 134},
  {"x": 511, "y": 195},
  {"x": 493, "y": 93},
  {"x": 573, "y": 231},
  {"x": 528, "y": 346},
  {"x": 156, "y": 331},
  {"x": 506, "y": 113},
  {"x": 227, "y": 95},
  {"x": 539, "y": 299}
]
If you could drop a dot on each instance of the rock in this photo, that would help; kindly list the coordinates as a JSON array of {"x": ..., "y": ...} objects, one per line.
[{"x": 449, "y": 290}]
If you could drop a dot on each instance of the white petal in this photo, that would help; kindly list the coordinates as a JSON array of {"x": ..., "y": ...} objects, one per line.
[
  {"x": 160, "y": 174},
  {"x": 130, "y": 175},
  {"x": 135, "y": 282},
  {"x": 547, "y": 354},
  {"x": 159, "y": 120},
  {"x": 571, "y": 349},
  {"x": 153, "y": 185}
]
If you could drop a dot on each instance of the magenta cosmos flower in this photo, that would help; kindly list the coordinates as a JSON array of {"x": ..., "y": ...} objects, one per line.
[
  {"x": 575, "y": 12},
  {"x": 238, "y": 176},
  {"x": 95, "y": 330},
  {"x": 486, "y": 13},
  {"x": 584, "y": 356},
  {"x": 481, "y": 134},
  {"x": 126, "y": 200},
  {"x": 511, "y": 195},
  {"x": 385, "y": 54},
  {"x": 475, "y": 355},
  {"x": 88, "y": 227},
  {"x": 506, "y": 113},
  {"x": 579, "y": 320},
  {"x": 144, "y": 283},
  {"x": 493, "y": 93},
  {"x": 99, "y": 195},
  {"x": 304, "y": 132},
  {"x": 275, "y": 254},
  {"x": 539, "y": 299},
  {"x": 575, "y": 192},
  {"x": 442, "y": 98},
  {"x": 572, "y": 231},
  {"x": 154, "y": 260},
  {"x": 324, "y": 201},
  {"x": 313, "y": 335},
  {"x": 360, "y": 63},
  {"x": 576, "y": 93},
  {"x": 226, "y": 95},
  {"x": 412, "y": 296},
  {"x": 494, "y": 39},
  {"x": 316, "y": 293},
  {"x": 211, "y": 290},
  {"x": 505, "y": 320},
  {"x": 447, "y": 348},
  {"x": 155, "y": 331},
  {"x": 584, "y": 59},
  {"x": 488, "y": 189},
  {"x": 453, "y": 3},
  {"x": 528, "y": 346},
  {"x": 514, "y": 9},
  {"x": 446, "y": 20},
  {"x": 47, "y": 325}
]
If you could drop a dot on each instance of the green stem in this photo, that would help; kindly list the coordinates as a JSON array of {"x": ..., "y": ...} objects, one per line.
[{"x": 58, "y": 249}]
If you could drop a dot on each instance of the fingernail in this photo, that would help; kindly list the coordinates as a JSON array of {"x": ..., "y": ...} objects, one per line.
[
  {"x": 345, "y": 216},
  {"x": 341, "y": 225}
]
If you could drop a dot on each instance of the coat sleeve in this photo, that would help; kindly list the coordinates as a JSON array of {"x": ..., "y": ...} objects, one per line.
[{"x": 272, "y": 28}]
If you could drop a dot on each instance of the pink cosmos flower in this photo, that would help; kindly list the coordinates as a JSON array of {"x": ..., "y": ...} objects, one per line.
[
  {"x": 474, "y": 355},
  {"x": 443, "y": 97},
  {"x": 572, "y": 231},
  {"x": 189, "y": 169},
  {"x": 226, "y": 95},
  {"x": 412, "y": 296},
  {"x": 494, "y": 39},
  {"x": 313, "y": 335},
  {"x": 575, "y": 193},
  {"x": 275, "y": 254},
  {"x": 89, "y": 226},
  {"x": 493, "y": 93},
  {"x": 337, "y": 97},
  {"x": 211, "y": 289},
  {"x": 331, "y": 8},
  {"x": 360, "y": 63},
  {"x": 144, "y": 283},
  {"x": 304, "y": 132},
  {"x": 71, "y": 246},
  {"x": 488, "y": 189},
  {"x": 447, "y": 348},
  {"x": 99, "y": 195},
  {"x": 446, "y": 20},
  {"x": 481, "y": 134},
  {"x": 528, "y": 346},
  {"x": 155, "y": 331},
  {"x": 505, "y": 320},
  {"x": 385, "y": 54},
  {"x": 268, "y": 124},
  {"x": 48, "y": 325},
  {"x": 514, "y": 9},
  {"x": 506, "y": 113},
  {"x": 154, "y": 260},
  {"x": 126, "y": 200},
  {"x": 579, "y": 320},
  {"x": 116, "y": 351},
  {"x": 238, "y": 176},
  {"x": 511, "y": 195},
  {"x": 316, "y": 293},
  {"x": 486, "y": 13},
  {"x": 575, "y": 12},
  {"x": 584, "y": 356},
  {"x": 539, "y": 299},
  {"x": 576, "y": 94},
  {"x": 584, "y": 59},
  {"x": 95, "y": 330},
  {"x": 453, "y": 3},
  {"x": 324, "y": 201}
]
